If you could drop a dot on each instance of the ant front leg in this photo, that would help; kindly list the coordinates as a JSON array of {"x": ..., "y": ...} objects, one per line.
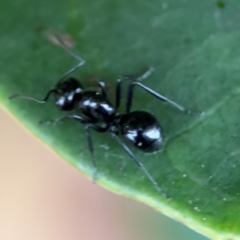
[
  {"x": 146, "y": 74},
  {"x": 131, "y": 78},
  {"x": 68, "y": 50}
]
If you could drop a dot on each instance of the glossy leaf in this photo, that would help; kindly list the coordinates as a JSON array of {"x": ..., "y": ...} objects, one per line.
[{"x": 194, "y": 48}]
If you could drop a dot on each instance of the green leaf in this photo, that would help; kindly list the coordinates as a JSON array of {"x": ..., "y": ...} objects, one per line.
[{"x": 194, "y": 48}]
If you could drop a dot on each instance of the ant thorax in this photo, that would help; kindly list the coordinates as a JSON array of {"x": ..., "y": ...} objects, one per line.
[{"x": 96, "y": 107}]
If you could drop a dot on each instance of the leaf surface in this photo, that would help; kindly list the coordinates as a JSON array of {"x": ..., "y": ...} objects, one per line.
[{"x": 194, "y": 48}]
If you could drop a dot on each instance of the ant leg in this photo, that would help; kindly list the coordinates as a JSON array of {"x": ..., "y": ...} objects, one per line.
[
  {"x": 88, "y": 124},
  {"x": 118, "y": 93},
  {"x": 133, "y": 78},
  {"x": 91, "y": 150},
  {"x": 103, "y": 89},
  {"x": 81, "y": 61},
  {"x": 70, "y": 71},
  {"x": 53, "y": 122},
  {"x": 152, "y": 92},
  {"x": 146, "y": 74},
  {"x": 33, "y": 99},
  {"x": 64, "y": 118},
  {"x": 147, "y": 174},
  {"x": 64, "y": 46}
]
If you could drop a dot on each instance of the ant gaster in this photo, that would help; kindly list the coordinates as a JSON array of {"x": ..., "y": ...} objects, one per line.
[{"x": 141, "y": 129}]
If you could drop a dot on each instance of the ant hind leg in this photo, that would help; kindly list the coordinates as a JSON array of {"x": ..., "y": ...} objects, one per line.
[
  {"x": 140, "y": 165},
  {"x": 91, "y": 150},
  {"x": 131, "y": 78}
]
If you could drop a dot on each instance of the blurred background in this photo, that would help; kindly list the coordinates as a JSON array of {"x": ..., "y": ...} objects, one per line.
[{"x": 43, "y": 197}]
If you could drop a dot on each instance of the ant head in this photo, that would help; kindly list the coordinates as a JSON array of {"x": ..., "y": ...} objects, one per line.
[
  {"x": 69, "y": 92},
  {"x": 69, "y": 85}
]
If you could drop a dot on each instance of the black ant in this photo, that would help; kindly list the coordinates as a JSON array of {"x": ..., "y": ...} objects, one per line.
[{"x": 141, "y": 129}]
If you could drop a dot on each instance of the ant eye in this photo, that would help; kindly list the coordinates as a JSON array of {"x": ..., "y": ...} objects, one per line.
[{"x": 79, "y": 90}]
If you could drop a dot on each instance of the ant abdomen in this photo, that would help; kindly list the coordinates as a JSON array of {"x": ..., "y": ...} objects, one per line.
[{"x": 142, "y": 130}]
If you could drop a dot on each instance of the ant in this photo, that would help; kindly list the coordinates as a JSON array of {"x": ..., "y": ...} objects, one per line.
[{"x": 140, "y": 128}]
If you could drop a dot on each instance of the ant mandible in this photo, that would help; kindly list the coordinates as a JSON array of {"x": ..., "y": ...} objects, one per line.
[{"x": 140, "y": 128}]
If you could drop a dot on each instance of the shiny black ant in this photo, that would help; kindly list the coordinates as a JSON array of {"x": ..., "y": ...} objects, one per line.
[{"x": 141, "y": 129}]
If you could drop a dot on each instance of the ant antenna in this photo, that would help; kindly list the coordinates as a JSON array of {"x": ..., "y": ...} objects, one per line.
[{"x": 34, "y": 99}]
